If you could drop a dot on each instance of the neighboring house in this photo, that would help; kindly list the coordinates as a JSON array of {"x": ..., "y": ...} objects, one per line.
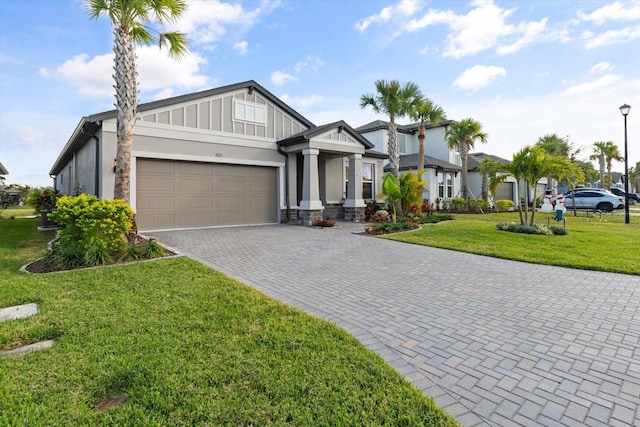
[
  {"x": 441, "y": 164},
  {"x": 507, "y": 190},
  {"x": 233, "y": 155}
]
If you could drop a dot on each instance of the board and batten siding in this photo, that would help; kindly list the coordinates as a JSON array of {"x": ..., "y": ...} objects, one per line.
[{"x": 222, "y": 113}]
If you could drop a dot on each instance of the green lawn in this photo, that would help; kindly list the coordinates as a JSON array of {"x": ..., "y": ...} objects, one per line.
[
  {"x": 184, "y": 345},
  {"x": 16, "y": 212},
  {"x": 595, "y": 243}
]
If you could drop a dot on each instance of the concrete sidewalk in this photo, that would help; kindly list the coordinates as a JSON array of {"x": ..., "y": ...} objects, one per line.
[{"x": 495, "y": 342}]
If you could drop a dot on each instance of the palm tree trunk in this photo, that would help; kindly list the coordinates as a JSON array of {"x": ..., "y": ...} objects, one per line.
[
  {"x": 601, "y": 159},
  {"x": 125, "y": 76},
  {"x": 394, "y": 159},
  {"x": 420, "y": 165}
]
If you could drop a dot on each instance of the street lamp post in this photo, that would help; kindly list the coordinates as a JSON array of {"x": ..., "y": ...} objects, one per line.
[{"x": 625, "y": 110}]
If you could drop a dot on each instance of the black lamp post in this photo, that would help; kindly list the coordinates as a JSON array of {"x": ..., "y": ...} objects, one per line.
[{"x": 625, "y": 110}]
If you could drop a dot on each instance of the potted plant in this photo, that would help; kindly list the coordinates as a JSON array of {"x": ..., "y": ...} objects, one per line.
[{"x": 44, "y": 202}]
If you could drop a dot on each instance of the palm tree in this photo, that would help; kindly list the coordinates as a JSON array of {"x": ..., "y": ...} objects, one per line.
[
  {"x": 427, "y": 113},
  {"x": 555, "y": 146},
  {"x": 599, "y": 153},
  {"x": 394, "y": 100},
  {"x": 493, "y": 174},
  {"x": 612, "y": 152},
  {"x": 130, "y": 20},
  {"x": 462, "y": 136},
  {"x": 530, "y": 165}
]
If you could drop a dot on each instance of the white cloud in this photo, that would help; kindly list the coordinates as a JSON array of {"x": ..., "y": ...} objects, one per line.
[
  {"x": 206, "y": 22},
  {"x": 241, "y": 47},
  {"x": 531, "y": 32},
  {"x": 93, "y": 76},
  {"x": 311, "y": 62},
  {"x": 478, "y": 77},
  {"x": 601, "y": 67},
  {"x": 612, "y": 37},
  {"x": 482, "y": 28},
  {"x": 302, "y": 101},
  {"x": 593, "y": 86},
  {"x": 618, "y": 11},
  {"x": 403, "y": 9},
  {"x": 280, "y": 78}
]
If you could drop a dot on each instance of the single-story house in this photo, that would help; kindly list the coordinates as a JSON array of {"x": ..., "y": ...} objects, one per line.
[{"x": 232, "y": 155}]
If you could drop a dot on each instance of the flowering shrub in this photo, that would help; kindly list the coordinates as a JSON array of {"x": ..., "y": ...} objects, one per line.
[
  {"x": 92, "y": 231},
  {"x": 43, "y": 200}
]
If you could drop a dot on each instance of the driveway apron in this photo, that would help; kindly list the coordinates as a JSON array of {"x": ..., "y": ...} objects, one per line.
[{"x": 495, "y": 342}]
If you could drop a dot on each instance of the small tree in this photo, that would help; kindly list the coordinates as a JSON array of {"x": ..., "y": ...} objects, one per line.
[
  {"x": 393, "y": 192},
  {"x": 415, "y": 188}
]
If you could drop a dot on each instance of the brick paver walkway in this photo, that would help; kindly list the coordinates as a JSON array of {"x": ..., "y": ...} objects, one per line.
[{"x": 495, "y": 342}]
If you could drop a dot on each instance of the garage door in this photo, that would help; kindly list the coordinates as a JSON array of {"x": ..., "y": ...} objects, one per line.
[
  {"x": 177, "y": 194},
  {"x": 504, "y": 191}
]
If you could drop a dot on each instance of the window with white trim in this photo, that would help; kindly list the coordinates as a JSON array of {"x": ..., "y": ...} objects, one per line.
[
  {"x": 368, "y": 175},
  {"x": 445, "y": 185},
  {"x": 402, "y": 143},
  {"x": 250, "y": 112}
]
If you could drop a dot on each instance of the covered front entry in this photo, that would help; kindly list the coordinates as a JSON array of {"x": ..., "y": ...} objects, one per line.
[
  {"x": 316, "y": 182},
  {"x": 181, "y": 194}
]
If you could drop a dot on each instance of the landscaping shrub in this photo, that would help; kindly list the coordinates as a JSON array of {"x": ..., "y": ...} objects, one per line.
[
  {"x": 504, "y": 205},
  {"x": 458, "y": 204},
  {"x": 92, "y": 231},
  {"x": 371, "y": 208},
  {"x": 43, "y": 200},
  {"x": 478, "y": 205},
  {"x": 535, "y": 229},
  {"x": 415, "y": 188}
]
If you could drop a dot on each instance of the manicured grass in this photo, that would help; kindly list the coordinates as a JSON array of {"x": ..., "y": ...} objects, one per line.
[
  {"x": 185, "y": 345},
  {"x": 594, "y": 243},
  {"x": 16, "y": 212}
]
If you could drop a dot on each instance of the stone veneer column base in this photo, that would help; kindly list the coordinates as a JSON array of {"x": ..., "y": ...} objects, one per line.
[
  {"x": 309, "y": 217},
  {"x": 354, "y": 214},
  {"x": 293, "y": 219}
]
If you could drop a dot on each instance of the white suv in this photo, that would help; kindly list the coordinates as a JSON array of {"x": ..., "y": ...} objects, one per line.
[{"x": 595, "y": 199}]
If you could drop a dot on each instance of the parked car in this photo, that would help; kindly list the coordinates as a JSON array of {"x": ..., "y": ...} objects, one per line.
[
  {"x": 620, "y": 192},
  {"x": 595, "y": 199}
]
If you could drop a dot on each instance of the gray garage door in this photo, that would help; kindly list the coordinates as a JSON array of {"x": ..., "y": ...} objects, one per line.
[
  {"x": 504, "y": 191},
  {"x": 177, "y": 194}
]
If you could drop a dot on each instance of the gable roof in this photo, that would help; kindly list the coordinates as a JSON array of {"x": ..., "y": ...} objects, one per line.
[
  {"x": 249, "y": 84},
  {"x": 410, "y": 162},
  {"x": 474, "y": 160},
  {"x": 3, "y": 170},
  {"x": 341, "y": 125},
  {"x": 88, "y": 125}
]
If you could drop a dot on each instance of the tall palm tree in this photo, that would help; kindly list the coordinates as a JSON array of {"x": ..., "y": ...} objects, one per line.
[
  {"x": 427, "y": 113},
  {"x": 462, "y": 136},
  {"x": 395, "y": 100},
  {"x": 130, "y": 20},
  {"x": 599, "y": 153},
  {"x": 612, "y": 152},
  {"x": 555, "y": 146}
]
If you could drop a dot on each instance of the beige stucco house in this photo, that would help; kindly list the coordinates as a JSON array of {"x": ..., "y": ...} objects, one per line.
[{"x": 233, "y": 155}]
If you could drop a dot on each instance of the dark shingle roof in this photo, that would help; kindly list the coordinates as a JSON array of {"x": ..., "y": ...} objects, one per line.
[
  {"x": 3, "y": 170},
  {"x": 475, "y": 160},
  {"x": 410, "y": 162},
  {"x": 318, "y": 130},
  {"x": 410, "y": 128}
]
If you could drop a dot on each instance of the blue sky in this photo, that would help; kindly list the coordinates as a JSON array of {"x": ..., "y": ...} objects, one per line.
[{"x": 522, "y": 68}]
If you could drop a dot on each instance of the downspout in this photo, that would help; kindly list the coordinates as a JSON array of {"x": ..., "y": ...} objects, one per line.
[
  {"x": 286, "y": 181},
  {"x": 97, "y": 159}
]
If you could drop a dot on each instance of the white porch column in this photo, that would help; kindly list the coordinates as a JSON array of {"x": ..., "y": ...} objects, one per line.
[
  {"x": 354, "y": 195},
  {"x": 310, "y": 183}
]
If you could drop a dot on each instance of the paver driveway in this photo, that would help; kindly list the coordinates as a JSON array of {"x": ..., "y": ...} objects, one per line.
[{"x": 496, "y": 342}]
